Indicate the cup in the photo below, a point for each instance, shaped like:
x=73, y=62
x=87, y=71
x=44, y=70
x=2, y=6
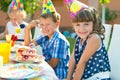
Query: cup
x=1, y=61
x=8, y=38
x=5, y=49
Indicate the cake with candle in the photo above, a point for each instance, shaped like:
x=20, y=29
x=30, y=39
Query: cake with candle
x=25, y=53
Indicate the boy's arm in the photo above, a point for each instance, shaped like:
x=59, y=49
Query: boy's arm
x=27, y=35
x=53, y=62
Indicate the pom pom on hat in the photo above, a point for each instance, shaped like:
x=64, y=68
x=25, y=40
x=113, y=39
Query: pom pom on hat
x=48, y=7
x=16, y=5
x=74, y=6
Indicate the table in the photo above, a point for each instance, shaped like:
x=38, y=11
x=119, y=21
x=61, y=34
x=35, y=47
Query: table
x=47, y=73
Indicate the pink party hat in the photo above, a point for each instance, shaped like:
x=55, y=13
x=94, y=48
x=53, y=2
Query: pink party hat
x=48, y=7
x=16, y=5
x=74, y=6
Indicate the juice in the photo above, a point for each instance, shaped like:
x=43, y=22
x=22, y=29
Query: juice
x=5, y=49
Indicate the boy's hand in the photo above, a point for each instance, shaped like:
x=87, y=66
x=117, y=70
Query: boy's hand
x=34, y=23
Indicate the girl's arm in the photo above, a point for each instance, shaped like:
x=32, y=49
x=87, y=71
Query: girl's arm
x=3, y=34
x=93, y=44
x=71, y=67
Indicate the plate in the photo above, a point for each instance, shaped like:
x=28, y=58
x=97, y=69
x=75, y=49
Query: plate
x=39, y=58
x=14, y=48
x=20, y=71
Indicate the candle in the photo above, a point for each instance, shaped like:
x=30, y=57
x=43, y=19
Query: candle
x=1, y=61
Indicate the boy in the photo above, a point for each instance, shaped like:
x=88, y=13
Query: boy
x=54, y=45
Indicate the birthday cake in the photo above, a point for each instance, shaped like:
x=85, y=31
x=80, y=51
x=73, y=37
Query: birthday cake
x=25, y=53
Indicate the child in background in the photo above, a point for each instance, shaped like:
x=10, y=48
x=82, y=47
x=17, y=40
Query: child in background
x=55, y=46
x=16, y=24
x=89, y=60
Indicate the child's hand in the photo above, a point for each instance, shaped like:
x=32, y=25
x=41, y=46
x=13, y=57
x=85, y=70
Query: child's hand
x=34, y=23
x=31, y=45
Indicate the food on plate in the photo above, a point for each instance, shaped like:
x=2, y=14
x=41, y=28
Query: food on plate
x=25, y=53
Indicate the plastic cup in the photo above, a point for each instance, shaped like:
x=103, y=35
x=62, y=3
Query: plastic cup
x=1, y=61
x=5, y=49
x=8, y=38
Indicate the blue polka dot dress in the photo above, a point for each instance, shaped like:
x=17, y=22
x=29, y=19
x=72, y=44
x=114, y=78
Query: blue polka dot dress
x=99, y=62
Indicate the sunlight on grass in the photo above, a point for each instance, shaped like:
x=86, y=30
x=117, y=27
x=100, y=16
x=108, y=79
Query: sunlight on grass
x=71, y=41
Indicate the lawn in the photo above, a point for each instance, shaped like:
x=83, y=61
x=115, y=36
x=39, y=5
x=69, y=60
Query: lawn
x=71, y=41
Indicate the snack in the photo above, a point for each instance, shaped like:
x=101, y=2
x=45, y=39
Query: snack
x=25, y=53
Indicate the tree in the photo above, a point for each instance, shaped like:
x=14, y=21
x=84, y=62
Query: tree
x=111, y=15
x=30, y=6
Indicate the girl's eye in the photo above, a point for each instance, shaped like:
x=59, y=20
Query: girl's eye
x=86, y=24
x=77, y=24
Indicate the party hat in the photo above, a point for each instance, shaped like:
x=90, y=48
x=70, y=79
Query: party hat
x=16, y=5
x=74, y=6
x=48, y=7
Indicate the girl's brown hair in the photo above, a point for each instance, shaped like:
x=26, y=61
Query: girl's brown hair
x=90, y=14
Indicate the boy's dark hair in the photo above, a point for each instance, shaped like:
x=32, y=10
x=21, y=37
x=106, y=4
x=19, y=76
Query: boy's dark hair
x=54, y=15
x=90, y=14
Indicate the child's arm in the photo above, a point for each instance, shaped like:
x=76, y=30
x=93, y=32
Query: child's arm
x=53, y=62
x=93, y=44
x=3, y=34
x=71, y=67
x=27, y=35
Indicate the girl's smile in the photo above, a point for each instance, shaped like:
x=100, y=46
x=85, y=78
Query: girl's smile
x=83, y=29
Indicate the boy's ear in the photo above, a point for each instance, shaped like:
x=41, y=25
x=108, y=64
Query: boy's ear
x=57, y=23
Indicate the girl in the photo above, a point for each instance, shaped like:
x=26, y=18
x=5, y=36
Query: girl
x=89, y=60
x=16, y=19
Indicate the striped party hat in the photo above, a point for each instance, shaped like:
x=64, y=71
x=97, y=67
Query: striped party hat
x=74, y=6
x=48, y=7
x=16, y=5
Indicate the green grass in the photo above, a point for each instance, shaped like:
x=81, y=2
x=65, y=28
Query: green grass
x=71, y=41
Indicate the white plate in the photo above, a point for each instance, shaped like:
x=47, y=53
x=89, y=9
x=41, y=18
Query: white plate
x=14, y=48
x=39, y=58
x=20, y=71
